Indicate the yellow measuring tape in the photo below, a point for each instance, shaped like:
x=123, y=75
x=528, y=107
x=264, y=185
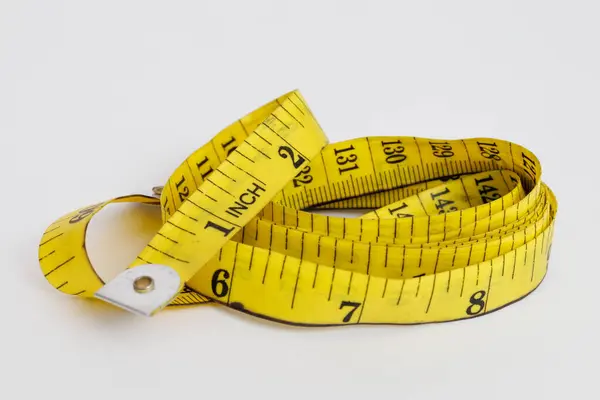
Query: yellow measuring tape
x=451, y=229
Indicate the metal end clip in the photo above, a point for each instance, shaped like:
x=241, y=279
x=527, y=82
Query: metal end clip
x=143, y=290
x=157, y=191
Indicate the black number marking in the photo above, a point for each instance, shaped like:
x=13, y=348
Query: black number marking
x=343, y=160
x=485, y=189
x=285, y=151
x=483, y=180
x=477, y=303
x=441, y=149
x=167, y=206
x=183, y=193
x=219, y=284
x=441, y=203
x=81, y=214
x=400, y=207
x=489, y=150
x=200, y=164
x=218, y=227
x=490, y=198
x=529, y=165
x=303, y=177
x=342, y=170
x=352, y=304
x=227, y=146
x=393, y=151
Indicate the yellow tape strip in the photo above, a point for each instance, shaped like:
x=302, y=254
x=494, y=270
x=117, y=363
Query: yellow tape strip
x=452, y=229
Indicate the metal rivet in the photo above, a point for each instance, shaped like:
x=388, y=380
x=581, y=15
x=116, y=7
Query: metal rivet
x=143, y=284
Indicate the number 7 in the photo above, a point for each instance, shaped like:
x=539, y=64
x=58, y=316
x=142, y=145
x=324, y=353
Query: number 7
x=351, y=312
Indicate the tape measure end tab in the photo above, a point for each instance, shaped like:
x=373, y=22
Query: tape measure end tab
x=157, y=191
x=142, y=290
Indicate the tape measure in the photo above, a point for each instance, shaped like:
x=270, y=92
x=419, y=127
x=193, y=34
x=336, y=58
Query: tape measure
x=451, y=229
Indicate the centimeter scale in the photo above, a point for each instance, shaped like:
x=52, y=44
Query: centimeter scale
x=452, y=229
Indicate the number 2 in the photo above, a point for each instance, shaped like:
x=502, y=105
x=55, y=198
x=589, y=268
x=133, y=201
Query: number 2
x=303, y=177
x=441, y=149
x=284, y=151
x=183, y=193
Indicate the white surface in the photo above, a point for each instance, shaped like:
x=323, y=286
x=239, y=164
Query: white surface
x=101, y=99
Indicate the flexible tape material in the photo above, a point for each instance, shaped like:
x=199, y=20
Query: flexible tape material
x=450, y=229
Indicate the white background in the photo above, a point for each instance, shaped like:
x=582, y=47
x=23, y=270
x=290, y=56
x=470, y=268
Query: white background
x=101, y=99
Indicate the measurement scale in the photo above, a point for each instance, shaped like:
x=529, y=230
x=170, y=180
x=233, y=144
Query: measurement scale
x=452, y=229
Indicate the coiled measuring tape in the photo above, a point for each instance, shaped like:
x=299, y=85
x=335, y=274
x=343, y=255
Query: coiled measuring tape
x=452, y=229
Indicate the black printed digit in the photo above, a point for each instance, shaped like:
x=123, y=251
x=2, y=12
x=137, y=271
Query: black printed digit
x=352, y=304
x=443, y=205
x=477, y=303
x=394, y=211
x=347, y=162
x=489, y=150
x=487, y=193
x=182, y=191
x=394, y=151
x=303, y=177
x=200, y=165
x=285, y=152
x=229, y=146
x=81, y=214
x=219, y=283
x=224, y=230
x=529, y=165
x=167, y=206
x=441, y=149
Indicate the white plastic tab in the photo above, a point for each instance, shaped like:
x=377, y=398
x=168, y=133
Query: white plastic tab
x=143, y=290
